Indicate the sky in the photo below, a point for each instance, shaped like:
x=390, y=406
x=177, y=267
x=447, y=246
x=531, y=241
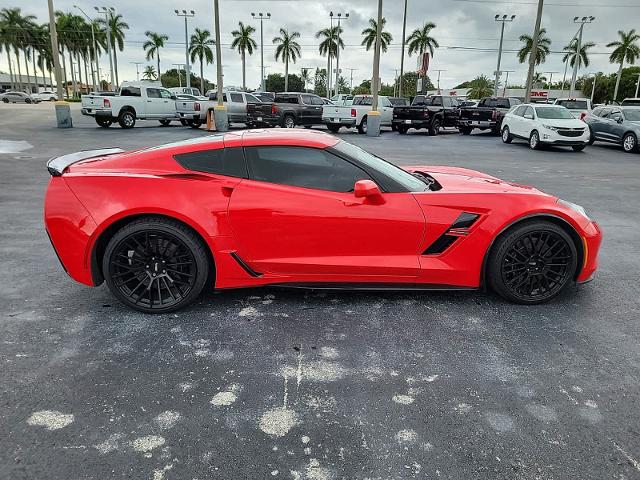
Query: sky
x=466, y=30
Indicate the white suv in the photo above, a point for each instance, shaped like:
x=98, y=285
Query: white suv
x=542, y=124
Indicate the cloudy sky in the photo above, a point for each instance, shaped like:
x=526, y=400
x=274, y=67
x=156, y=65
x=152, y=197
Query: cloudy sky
x=466, y=30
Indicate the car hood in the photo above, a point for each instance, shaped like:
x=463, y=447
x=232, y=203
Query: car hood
x=463, y=180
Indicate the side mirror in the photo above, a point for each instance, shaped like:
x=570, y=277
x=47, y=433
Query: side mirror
x=173, y=97
x=367, y=189
x=619, y=119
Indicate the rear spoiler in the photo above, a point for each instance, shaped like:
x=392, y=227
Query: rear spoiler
x=57, y=165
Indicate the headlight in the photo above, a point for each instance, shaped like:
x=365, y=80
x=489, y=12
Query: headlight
x=549, y=127
x=574, y=207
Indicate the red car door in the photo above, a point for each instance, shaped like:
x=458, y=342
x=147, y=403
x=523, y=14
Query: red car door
x=297, y=215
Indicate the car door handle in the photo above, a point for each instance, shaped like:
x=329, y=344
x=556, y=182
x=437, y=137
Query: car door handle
x=148, y=101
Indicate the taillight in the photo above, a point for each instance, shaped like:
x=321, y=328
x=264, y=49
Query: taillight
x=274, y=109
x=353, y=112
x=494, y=115
x=425, y=113
x=106, y=103
x=196, y=106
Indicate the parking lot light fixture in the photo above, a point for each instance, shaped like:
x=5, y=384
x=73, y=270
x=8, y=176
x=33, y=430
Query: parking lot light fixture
x=502, y=19
x=373, y=119
x=95, y=50
x=186, y=14
x=340, y=17
x=582, y=21
x=262, y=17
x=108, y=13
x=219, y=111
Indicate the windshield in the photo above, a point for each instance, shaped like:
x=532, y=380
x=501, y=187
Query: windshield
x=633, y=115
x=573, y=104
x=631, y=101
x=404, y=178
x=553, y=112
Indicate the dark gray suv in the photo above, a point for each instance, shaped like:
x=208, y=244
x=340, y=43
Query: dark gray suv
x=613, y=124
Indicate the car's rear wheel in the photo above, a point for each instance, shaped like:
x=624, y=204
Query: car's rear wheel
x=434, y=128
x=27, y=100
x=127, y=119
x=362, y=128
x=155, y=265
x=195, y=123
x=465, y=130
x=630, y=143
x=288, y=121
x=506, y=135
x=104, y=122
x=402, y=130
x=333, y=128
x=532, y=262
x=534, y=140
x=165, y=123
x=5, y=100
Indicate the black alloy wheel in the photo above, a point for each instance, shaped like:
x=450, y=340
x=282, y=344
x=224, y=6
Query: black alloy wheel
x=533, y=263
x=155, y=265
x=434, y=128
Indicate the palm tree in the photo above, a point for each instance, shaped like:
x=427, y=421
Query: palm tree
x=115, y=28
x=288, y=49
x=8, y=38
x=329, y=46
x=153, y=45
x=420, y=41
x=306, y=78
x=481, y=86
x=370, y=33
x=583, y=56
x=625, y=49
x=149, y=73
x=243, y=42
x=538, y=79
x=544, y=45
x=200, y=47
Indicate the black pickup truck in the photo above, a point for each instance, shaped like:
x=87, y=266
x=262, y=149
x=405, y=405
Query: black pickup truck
x=432, y=112
x=488, y=114
x=287, y=110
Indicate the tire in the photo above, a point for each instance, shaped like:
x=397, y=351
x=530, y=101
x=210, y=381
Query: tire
x=402, y=130
x=434, y=128
x=52, y=99
x=184, y=122
x=141, y=253
x=27, y=100
x=104, y=122
x=5, y=100
x=333, y=128
x=592, y=137
x=534, y=140
x=394, y=128
x=288, y=121
x=195, y=123
x=465, y=130
x=630, y=143
x=165, y=123
x=532, y=262
x=127, y=119
x=578, y=148
x=506, y=135
x=362, y=128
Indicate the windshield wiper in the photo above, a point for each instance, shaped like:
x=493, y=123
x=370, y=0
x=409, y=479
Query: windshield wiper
x=432, y=183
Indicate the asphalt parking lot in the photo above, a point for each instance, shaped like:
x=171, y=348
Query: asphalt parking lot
x=272, y=383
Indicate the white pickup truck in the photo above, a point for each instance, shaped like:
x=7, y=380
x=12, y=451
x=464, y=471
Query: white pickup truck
x=134, y=101
x=194, y=113
x=355, y=115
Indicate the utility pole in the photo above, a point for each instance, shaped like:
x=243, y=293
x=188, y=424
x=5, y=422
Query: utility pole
x=108, y=13
x=637, y=85
x=502, y=19
x=577, y=60
x=137, y=64
x=506, y=82
x=438, y=79
x=550, y=80
x=593, y=88
x=351, y=82
x=404, y=34
x=186, y=14
x=95, y=51
x=373, y=118
x=534, y=52
x=220, y=112
x=262, y=18
x=340, y=17
x=178, y=69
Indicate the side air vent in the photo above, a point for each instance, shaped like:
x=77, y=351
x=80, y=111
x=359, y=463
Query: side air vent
x=244, y=266
x=459, y=228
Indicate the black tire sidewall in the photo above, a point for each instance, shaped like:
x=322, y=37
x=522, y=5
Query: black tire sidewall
x=192, y=241
x=123, y=115
x=537, y=146
x=508, y=139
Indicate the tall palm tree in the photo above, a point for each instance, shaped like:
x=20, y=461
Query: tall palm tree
x=287, y=50
x=481, y=86
x=306, y=78
x=329, y=45
x=370, y=33
x=115, y=28
x=572, y=53
x=243, y=42
x=538, y=79
x=544, y=44
x=201, y=43
x=419, y=42
x=26, y=36
x=625, y=49
x=149, y=73
x=8, y=38
x=153, y=45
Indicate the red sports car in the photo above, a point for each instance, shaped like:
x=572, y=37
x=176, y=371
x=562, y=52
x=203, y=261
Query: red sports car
x=303, y=208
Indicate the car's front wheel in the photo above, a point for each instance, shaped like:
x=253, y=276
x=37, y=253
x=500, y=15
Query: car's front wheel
x=506, y=135
x=532, y=262
x=578, y=148
x=434, y=128
x=534, y=140
x=630, y=143
x=364, y=125
x=155, y=265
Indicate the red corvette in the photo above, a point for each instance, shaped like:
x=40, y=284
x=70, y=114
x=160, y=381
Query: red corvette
x=303, y=208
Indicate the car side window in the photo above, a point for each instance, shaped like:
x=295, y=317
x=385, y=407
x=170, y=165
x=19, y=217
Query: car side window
x=520, y=110
x=596, y=112
x=153, y=93
x=165, y=93
x=503, y=103
x=446, y=101
x=616, y=115
x=302, y=167
x=529, y=111
x=437, y=102
x=316, y=101
x=307, y=99
x=221, y=161
x=236, y=97
x=605, y=113
x=251, y=99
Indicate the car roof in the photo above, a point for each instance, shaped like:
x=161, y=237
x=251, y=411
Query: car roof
x=291, y=137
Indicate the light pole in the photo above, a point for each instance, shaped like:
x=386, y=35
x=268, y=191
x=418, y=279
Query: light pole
x=108, y=13
x=637, y=85
x=351, y=82
x=404, y=34
x=95, y=50
x=502, y=19
x=534, y=52
x=178, y=69
x=373, y=118
x=577, y=59
x=137, y=64
x=340, y=17
x=186, y=14
x=506, y=82
x=220, y=112
x=262, y=18
x=439, y=71
x=550, y=80
x=593, y=87
x=566, y=64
